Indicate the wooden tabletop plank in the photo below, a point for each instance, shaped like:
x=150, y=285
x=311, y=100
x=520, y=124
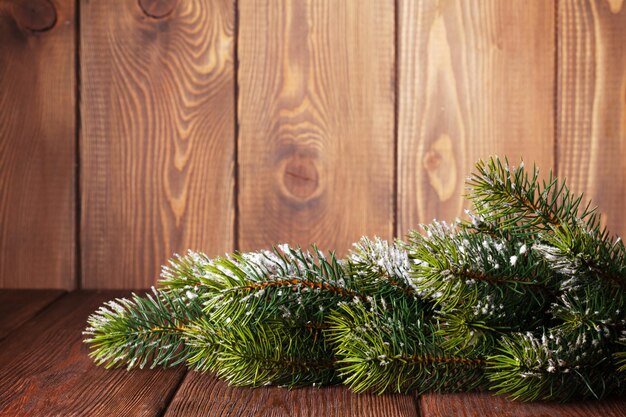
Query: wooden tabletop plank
x=17, y=306
x=45, y=370
x=205, y=395
x=486, y=405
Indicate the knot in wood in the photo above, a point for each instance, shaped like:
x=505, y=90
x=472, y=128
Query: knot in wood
x=440, y=166
x=157, y=9
x=300, y=176
x=432, y=160
x=35, y=15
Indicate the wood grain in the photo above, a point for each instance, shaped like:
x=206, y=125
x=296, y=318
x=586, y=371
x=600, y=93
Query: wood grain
x=475, y=79
x=46, y=371
x=18, y=306
x=204, y=395
x=37, y=144
x=591, y=119
x=157, y=139
x=487, y=405
x=316, y=117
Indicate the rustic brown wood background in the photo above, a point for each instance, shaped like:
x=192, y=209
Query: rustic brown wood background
x=134, y=129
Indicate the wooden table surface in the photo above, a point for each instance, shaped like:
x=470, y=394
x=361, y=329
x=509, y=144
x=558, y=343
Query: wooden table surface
x=45, y=371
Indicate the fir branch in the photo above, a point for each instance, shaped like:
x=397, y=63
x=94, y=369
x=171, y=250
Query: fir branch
x=584, y=255
x=568, y=234
x=184, y=273
x=521, y=202
x=287, y=283
x=296, y=283
x=530, y=291
x=551, y=367
x=255, y=354
x=141, y=330
x=595, y=311
x=463, y=268
x=393, y=348
x=381, y=268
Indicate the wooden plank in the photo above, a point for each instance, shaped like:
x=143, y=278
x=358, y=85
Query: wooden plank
x=157, y=140
x=37, y=144
x=46, y=371
x=591, y=119
x=18, y=306
x=204, y=395
x=316, y=117
x=475, y=79
x=487, y=405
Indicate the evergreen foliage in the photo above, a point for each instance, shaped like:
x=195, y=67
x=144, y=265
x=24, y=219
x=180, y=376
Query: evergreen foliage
x=526, y=298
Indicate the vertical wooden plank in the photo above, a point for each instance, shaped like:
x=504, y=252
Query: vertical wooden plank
x=37, y=144
x=157, y=141
x=204, y=395
x=316, y=117
x=591, y=119
x=475, y=79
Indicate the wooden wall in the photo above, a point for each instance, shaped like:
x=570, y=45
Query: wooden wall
x=133, y=129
